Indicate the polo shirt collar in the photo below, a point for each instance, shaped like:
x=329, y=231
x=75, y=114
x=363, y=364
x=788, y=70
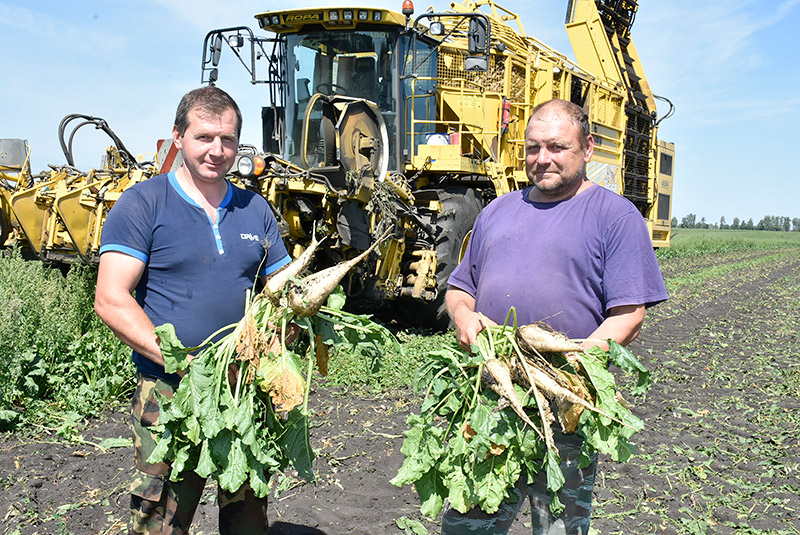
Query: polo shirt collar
x=173, y=180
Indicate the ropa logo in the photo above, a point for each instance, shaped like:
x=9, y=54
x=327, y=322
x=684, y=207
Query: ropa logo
x=302, y=17
x=251, y=237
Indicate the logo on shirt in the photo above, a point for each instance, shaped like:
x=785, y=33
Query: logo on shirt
x=251, y=237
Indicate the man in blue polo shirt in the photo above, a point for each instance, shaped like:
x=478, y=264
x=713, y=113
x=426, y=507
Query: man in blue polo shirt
x=188, y=245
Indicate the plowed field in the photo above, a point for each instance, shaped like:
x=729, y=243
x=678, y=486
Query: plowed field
x=720, y=452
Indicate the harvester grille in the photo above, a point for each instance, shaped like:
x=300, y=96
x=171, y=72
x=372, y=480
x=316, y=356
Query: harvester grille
x=452, y=74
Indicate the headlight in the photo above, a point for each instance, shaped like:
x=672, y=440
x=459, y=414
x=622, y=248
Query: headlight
x=245, y=166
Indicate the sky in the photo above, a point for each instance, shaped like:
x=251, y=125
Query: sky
x=730, y=67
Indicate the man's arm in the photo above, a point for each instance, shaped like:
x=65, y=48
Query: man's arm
x=461, y=308
x=117, y=277
x=623, y=325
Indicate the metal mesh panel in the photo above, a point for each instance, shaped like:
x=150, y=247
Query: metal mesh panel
x=517, y=93
x=452, y=73
x=608, y=109
x=663, y=206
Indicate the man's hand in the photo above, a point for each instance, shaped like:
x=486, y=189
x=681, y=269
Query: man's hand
x=468, y=327
x=468, y=323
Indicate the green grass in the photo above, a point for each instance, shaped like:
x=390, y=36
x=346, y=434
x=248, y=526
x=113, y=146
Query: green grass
x=696, y=242
x=389, y=370
x=700, y=277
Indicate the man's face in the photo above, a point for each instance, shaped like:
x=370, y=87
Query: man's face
x=554, y=159
x=209, y=144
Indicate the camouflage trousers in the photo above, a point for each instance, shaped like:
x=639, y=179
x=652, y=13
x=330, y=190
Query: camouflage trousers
x=576, y=496
x=163, y=507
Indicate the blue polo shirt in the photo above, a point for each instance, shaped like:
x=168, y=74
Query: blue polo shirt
x=196, y=271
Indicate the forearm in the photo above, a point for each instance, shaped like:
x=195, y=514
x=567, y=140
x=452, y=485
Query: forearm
x=117, y=276
x=623, y=325
x=458, y=303
x=130, y=324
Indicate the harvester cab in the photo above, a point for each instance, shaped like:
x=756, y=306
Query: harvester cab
x=354, y=132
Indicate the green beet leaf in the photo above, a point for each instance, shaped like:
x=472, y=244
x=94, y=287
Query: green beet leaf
x=221, y=424
x=295, y=444
x=259, y=481
x=625, y=360
x=494, y=477
x=457, y=482
x=235, y=469
x=182, y=461
x=422, y=447
x=205, y=463
x=432, y=492
x=175, y=354
x=479, y=465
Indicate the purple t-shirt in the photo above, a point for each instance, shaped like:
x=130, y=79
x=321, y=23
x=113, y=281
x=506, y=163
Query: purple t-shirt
x=565, y=263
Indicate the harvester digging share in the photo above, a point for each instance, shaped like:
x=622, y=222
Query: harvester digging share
x=241, y=413
x=486, y=416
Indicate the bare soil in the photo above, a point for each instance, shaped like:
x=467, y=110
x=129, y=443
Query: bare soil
x=720, y=452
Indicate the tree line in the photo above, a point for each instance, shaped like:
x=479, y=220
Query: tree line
x=769, y=222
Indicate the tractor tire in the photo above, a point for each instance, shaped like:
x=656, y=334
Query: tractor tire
x=460, y=207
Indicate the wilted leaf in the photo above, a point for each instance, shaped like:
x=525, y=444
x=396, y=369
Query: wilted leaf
x=282, y=379
x=411, y=526
x=110, y=443
x=321, y=354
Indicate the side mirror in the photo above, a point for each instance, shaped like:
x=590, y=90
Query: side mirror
x=477, y=36
x=216, y=49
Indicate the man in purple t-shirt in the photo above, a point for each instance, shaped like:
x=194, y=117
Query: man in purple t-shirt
x=567, y=252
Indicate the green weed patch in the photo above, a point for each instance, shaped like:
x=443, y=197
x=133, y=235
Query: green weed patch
x=56, y=356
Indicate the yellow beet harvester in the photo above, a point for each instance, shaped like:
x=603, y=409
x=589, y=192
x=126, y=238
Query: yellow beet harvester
x=375, y=119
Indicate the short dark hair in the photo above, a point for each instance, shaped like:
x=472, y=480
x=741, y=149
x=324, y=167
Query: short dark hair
x=209, y=99
x=574, y=113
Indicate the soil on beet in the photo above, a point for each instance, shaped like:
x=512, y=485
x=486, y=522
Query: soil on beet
x=720, y=452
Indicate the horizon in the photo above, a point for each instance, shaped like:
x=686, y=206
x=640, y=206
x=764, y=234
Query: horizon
x=724, y=66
